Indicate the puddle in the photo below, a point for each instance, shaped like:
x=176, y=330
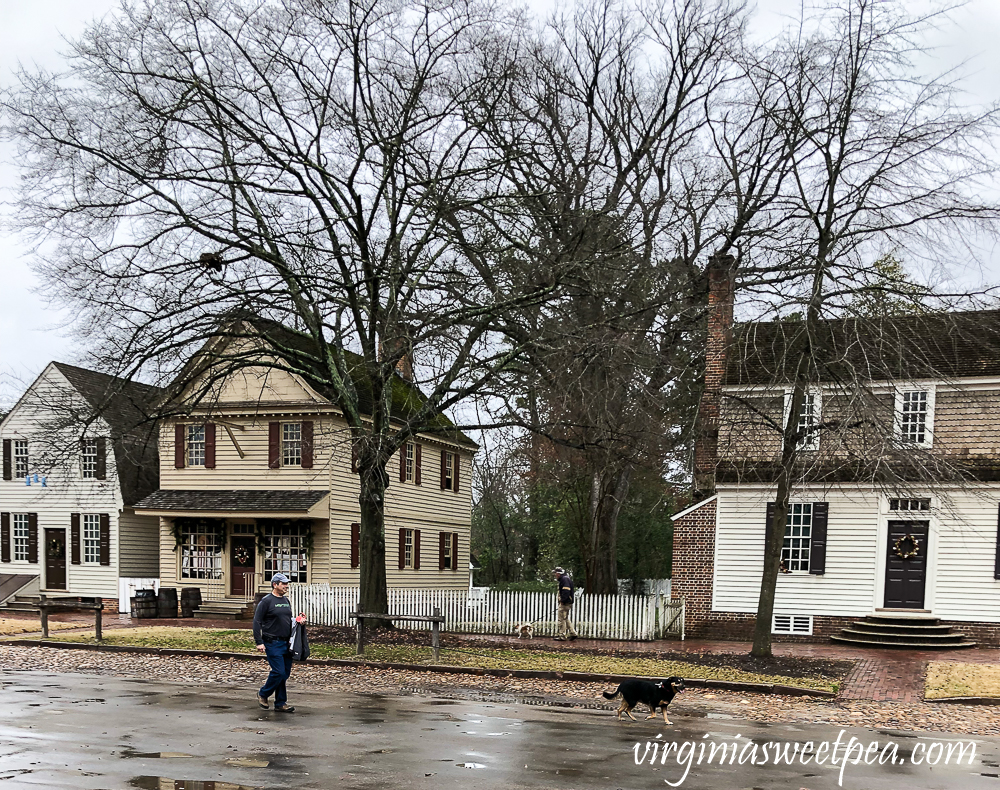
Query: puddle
x=159, y=782
x=469, y=765
x=248, y=762
x=129, y=753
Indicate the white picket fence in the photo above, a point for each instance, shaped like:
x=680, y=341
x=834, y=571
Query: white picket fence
x=619, y=617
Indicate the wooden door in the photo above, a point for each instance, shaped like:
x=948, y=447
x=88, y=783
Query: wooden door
x=242, y=564
x=55, y=559
x=905, y=575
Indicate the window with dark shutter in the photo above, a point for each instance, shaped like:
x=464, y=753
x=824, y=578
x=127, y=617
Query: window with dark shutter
x=180, y=453
x=442, y=542
x=416, y=549
x=355, y=545
x=8, y=469
x=817, y=550
x=307, y=444
x=402, y=463
x=105, y=539
x=4, y=537
x=274, y=445
x=74, y=538
x=402, y=549
x=101, y=472
x=210, y=445
x=768, y=526
x=454, y=551
x=416, y=467
x=455, y=463
x=33, y=537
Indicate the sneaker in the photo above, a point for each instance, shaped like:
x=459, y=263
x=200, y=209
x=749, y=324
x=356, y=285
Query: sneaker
x=559, y=638
x=572, y=637
x=262, y=702
x=285, y=708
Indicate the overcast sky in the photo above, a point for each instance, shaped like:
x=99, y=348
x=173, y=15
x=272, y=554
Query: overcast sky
x=32, y=32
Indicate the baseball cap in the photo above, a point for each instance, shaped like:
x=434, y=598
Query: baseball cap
x=279, y=578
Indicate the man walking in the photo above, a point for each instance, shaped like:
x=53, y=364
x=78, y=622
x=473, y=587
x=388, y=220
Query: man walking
x=272, y=628
x=565, y=583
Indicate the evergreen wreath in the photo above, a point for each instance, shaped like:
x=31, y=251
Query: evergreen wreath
x=187, y=524
x=905, y=555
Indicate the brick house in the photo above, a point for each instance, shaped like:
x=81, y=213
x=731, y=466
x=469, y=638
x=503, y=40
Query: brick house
x=895, y=516
x=259, y=478
x=78, y=453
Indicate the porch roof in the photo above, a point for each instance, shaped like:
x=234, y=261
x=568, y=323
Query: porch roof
x=267, y=503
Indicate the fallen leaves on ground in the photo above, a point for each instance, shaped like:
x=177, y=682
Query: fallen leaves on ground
x=955, y=679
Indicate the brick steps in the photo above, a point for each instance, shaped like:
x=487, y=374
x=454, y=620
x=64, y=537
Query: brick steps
x=902, y=631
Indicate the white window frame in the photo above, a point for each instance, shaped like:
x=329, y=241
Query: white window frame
x=448, y=559
x=285, y=552
x=90, y=538
x=410, y=460
x=408, y=549
x=291, y=447
x=797, y=624
x=88, y=459
x=197, y=560
x=900, y=398
x=811, y=443
x=20, y=532
x=22, y=464
x=450, y=459
x=805, y=540
x=194, y=448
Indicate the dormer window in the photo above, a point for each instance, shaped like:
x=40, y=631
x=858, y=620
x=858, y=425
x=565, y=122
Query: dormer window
x=914, y=416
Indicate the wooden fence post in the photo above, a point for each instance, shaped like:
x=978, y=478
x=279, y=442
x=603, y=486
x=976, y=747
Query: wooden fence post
x=43, y=608
x=436, y=635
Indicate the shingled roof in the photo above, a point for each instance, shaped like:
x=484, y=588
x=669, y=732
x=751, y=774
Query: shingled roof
x=126, y=407
x=919, y=346
x=244, y=501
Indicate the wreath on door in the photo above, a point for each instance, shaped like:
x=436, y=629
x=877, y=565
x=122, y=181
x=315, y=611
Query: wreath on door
x=900, y=545
x=242, y=556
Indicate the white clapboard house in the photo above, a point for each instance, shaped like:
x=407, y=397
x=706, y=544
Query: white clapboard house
x=893, y=531
x=78, y=453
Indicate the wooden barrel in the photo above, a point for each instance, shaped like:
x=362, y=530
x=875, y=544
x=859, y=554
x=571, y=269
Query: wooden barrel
x=167, y=602
x=144, y=608
x=190, y=601
x=145, y=593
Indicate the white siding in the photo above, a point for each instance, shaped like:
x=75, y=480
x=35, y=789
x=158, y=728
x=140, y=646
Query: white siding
x=139, y=538
x=960, y=560
x=53, y=450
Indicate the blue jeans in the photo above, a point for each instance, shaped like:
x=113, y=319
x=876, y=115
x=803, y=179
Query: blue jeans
x=280, y=659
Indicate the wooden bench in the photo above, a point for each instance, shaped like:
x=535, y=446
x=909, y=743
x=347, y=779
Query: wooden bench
x=435, y=620
x=45, y=606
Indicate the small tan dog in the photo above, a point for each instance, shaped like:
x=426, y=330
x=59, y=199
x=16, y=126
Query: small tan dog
x=524, y=630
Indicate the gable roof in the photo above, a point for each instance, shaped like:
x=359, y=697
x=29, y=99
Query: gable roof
x=297, y=350
x=918, y=346
x=126, y=407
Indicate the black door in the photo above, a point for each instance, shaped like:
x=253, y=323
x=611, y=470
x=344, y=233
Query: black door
x=55, y=559
x=242, y=564
x=906, y=565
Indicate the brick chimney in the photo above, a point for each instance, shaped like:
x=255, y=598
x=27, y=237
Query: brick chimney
x=719, y=336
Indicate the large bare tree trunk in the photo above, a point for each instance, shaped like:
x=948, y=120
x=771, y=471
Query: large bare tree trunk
x=374, y=594
x=608, y=492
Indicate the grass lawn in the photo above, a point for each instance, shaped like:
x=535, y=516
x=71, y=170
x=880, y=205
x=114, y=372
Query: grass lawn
x=487, y=658
x=10, y=626
x=952, y=679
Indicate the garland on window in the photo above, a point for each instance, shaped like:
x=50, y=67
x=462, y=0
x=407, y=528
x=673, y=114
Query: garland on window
x=267, y=526
x=183, y=525
x=905, y=555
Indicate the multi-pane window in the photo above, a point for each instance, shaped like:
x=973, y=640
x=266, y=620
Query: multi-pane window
x=20, y=458
x=447, y=560
x=291, y=444
x=913, y=417
x=20, y=536
x=196, y=445
x=410, y=458
x=807, y=423
x=910, y=504
x=285, y=552
x=407, y=548
x=91, y=537
x=201, y=554
x=449, y=471
x=88, y=459
x=798, y=536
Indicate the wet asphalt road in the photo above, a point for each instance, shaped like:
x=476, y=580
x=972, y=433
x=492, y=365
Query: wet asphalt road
x=79, y=731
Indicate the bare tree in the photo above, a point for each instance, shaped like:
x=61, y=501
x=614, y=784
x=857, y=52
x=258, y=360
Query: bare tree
x=221, y=170
x=876, y=159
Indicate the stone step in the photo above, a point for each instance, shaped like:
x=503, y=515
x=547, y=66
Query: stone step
x=890, y=636
x=903, y=619
x=900, y=628
x=913, y=645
